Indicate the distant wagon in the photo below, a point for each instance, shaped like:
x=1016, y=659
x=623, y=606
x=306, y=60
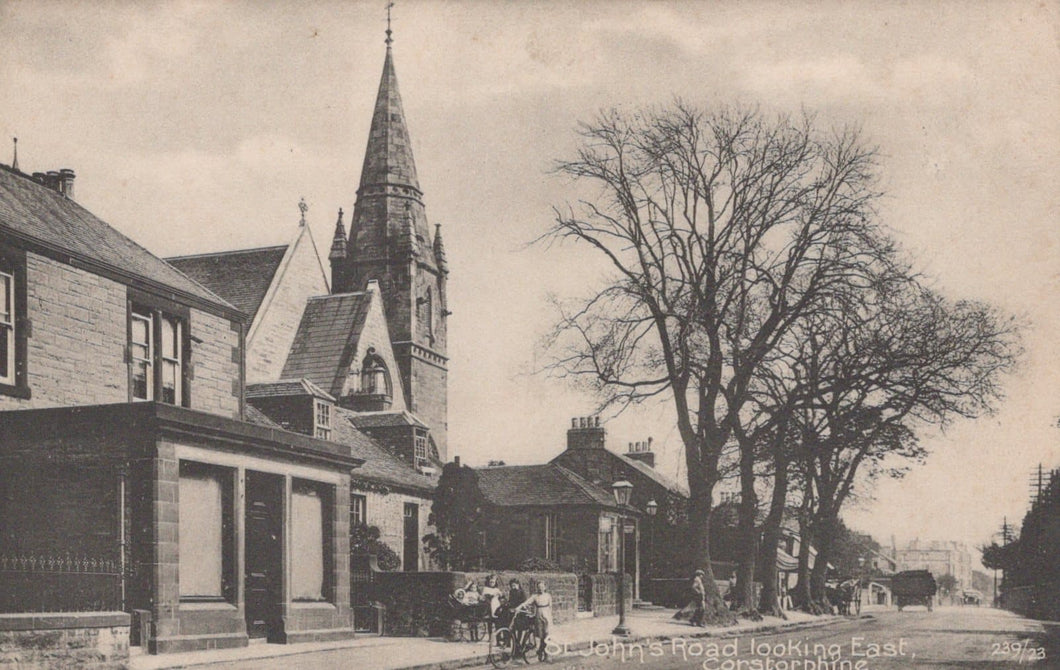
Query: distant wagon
x=972, y=597
x=914, y=587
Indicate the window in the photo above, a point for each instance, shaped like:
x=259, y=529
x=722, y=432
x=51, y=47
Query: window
x=14, y=325
x=310, y=574
x=552, y=536
x=158, y=346
x=205, y=532
x=606, y=541
x=7, y=328
x=420, y=446
x=358, y=509
x=322, y=420
x=375, y=380
x=141, y=351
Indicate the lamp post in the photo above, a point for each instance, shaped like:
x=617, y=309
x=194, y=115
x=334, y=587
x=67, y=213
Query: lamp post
x=621, y=490
x=652, y=508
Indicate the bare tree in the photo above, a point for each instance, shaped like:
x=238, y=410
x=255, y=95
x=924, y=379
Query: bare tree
x=722, y=230
x=900, y=360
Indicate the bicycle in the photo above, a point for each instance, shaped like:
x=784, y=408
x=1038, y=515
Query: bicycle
x=514, y=641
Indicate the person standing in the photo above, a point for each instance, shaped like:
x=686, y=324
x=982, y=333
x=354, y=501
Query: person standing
x=542, y=604
x=699, y=597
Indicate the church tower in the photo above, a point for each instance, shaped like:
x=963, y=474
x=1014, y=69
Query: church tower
x=390, y=241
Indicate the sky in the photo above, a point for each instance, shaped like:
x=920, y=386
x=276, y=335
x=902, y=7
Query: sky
x=198, y=126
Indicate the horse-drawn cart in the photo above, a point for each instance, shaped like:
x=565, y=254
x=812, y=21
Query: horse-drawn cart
x=914, y=587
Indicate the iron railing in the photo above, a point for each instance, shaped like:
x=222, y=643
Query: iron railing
x=59, y=583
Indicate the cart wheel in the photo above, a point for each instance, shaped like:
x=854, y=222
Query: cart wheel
x=500, y=654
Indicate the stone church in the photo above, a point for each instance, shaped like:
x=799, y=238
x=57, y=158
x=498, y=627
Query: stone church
x=369, y=332
x=188, y=447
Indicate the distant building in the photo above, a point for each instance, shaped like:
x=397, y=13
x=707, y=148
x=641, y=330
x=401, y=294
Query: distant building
x=939, y=558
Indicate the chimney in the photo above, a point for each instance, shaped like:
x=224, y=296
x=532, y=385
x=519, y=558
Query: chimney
x=641, y=451
x=51, y=179
x=586, y=433
x=66, y=182
x=456, y=461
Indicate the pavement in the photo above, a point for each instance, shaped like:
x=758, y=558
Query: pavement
x=405, y=653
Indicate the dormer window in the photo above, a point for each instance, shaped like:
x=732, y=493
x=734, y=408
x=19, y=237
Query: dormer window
x=322, y=419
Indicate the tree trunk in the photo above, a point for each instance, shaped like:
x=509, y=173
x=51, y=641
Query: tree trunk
x=744, y=598
x=717, y=613
x=803, y=595
x=823, y=536
x=769, y=603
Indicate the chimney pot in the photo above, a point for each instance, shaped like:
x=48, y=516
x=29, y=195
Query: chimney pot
x=581, y=422
x=456, y=460
x=66, y=182
x=574, y=422
x=650, y=440
x=597, y=421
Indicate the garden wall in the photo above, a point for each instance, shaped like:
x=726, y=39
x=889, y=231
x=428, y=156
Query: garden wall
x=418, y=603
x=1041, y=601
x=96, y=640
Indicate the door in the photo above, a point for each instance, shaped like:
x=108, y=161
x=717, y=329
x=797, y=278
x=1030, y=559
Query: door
x=411, y=561
x=264, y=556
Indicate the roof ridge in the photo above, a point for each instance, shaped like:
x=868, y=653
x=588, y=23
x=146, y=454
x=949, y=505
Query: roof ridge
x=337, y=295
x=207, y=254
x=580, y=482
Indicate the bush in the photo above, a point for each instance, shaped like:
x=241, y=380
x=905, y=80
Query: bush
x=364, y=539
x=535, y=564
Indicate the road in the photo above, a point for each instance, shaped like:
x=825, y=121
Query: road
x=953, y=637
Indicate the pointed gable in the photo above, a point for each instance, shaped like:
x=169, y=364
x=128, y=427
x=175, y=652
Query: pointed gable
x=335, y=335
x=271, y=285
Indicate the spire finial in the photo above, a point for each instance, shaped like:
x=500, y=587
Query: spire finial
x=14, y=162
x=303, y=208
x=389, y=39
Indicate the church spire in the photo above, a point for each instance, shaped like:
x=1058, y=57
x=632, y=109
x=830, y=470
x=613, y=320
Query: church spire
x=388, y=157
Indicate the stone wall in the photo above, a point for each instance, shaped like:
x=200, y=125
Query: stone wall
x=562, y=585
x=78, y=337
x=96, y=640
x=1041, y=601
x=386, y=512
x=76, y=348
x=216, y=387
x=605, y=593
x=418, y=604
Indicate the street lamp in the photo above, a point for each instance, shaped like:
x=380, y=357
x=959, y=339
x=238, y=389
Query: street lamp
x=652, y=507
x=622, y=491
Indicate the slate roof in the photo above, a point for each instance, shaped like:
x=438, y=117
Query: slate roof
x=330, y=328
x=655, y=475
x=40, y=214
x=549, y=484
x=240, y=277
x=386, y=419
x=287, y=387
x=256, y=416
x=379, y=464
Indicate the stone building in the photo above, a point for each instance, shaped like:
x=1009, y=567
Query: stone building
x=372, y=339
x=131, y=480
x=141, y=473
x=939, y=558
